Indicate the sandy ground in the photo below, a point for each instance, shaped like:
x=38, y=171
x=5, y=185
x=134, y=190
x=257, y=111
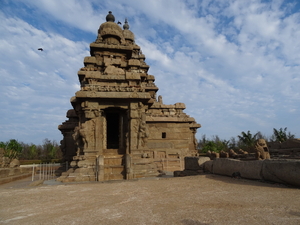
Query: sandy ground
x=196, y=200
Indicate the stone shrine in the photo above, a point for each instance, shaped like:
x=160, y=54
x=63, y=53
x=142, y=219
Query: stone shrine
x=118, y=128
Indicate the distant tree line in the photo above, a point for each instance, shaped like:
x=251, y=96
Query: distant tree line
x=50, y=149
x=46, y=151
x=245, y=141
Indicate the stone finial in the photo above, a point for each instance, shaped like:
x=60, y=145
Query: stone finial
x=126, y=26
x=160, y=99
x=110, y=17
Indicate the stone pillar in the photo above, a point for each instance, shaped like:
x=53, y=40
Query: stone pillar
x=129, y=174
x=99, y=135
x=100, y=168
x=134, y=126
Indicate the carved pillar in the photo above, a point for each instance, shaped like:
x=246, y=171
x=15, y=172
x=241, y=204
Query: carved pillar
x=121, y=132
x=99, y=133
x=104, y=124
x=134, y=126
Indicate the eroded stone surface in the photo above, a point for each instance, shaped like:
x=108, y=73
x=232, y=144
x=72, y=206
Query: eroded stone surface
x=118, y=128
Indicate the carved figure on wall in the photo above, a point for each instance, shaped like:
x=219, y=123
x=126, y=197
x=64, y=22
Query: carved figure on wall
x=96, y=112
x=78, y=140
x=261, y=150
x=195, y=142
x=143, y=134
x=82, y=133
x=87, y=132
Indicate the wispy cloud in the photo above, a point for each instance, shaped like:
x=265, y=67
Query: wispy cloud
x=235, y=64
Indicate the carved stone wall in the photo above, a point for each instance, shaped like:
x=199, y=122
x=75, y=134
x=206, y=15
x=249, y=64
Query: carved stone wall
x=117, y=103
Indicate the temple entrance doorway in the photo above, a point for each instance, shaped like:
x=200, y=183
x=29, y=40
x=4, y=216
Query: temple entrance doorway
x=113, y=130
x=115, y=149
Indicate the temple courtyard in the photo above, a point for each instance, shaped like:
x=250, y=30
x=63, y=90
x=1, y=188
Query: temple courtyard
x=194, y=200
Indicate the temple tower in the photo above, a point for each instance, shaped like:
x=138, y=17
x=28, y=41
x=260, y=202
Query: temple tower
x=123, y=130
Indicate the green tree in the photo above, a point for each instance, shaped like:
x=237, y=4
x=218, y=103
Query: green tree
x=202, y=142
x=50, y=150
x=247, y=140
x=215, y=145
x=12, y=148
x=281, y=135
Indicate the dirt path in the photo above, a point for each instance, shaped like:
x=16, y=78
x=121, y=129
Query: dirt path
x=205, y=199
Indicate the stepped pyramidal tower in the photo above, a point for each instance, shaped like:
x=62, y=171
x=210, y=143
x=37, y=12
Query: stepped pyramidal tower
x=118, y=128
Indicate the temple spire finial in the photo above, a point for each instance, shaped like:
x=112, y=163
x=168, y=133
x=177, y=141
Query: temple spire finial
x=126, y=26
x=110, y=17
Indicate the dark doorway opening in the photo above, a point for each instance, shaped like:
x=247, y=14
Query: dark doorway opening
x=112, y=132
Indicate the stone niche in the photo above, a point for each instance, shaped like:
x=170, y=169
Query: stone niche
x=118, y=128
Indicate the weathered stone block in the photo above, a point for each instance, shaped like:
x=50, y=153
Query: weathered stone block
x=160, y=145
x=4, y=172
x=247, y=169
x=132, y=76
x=90, y=59
x=134, y=62
x=14, y=171
x=208, y=166
x=282, y=171
x=14, y=163
x=143, y=161
x=195, y=163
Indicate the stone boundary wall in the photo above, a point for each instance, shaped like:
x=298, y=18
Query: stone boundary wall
x=285, y=171
x=288, y=148
x=11, y=174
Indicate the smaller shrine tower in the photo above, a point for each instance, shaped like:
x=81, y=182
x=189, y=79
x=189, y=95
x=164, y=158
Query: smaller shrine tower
x=118, y=128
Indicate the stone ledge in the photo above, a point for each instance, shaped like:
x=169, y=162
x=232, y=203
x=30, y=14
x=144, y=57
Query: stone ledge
x=282, y=171
x=285, y=171
x=14, y=178
x=247, y=169
x=15, y=171
x=195, y=163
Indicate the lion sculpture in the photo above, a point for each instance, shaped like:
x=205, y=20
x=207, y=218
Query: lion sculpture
x=261, y=150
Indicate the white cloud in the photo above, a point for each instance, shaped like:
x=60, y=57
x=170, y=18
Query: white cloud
x=36, y=85
x=235, y=64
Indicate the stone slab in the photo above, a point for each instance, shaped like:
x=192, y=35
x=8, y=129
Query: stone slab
x=282, y=171
x=195, y=163
x=208, y=166
x=247, y=169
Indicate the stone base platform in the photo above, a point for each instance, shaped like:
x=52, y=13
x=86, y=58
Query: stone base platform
x=284, y=171
x=12, y=174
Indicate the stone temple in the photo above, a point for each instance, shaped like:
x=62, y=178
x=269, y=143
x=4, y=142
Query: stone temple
x=118, y=127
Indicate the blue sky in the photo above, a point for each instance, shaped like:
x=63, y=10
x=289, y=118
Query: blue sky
x=235, y=64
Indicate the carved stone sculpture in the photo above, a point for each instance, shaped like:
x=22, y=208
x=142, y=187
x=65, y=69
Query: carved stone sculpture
x=143, y=134
x=224, y=154
x=213, y=155
x=78, y=140
x=261, y=150
x=241, y=151
x=232, y=153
